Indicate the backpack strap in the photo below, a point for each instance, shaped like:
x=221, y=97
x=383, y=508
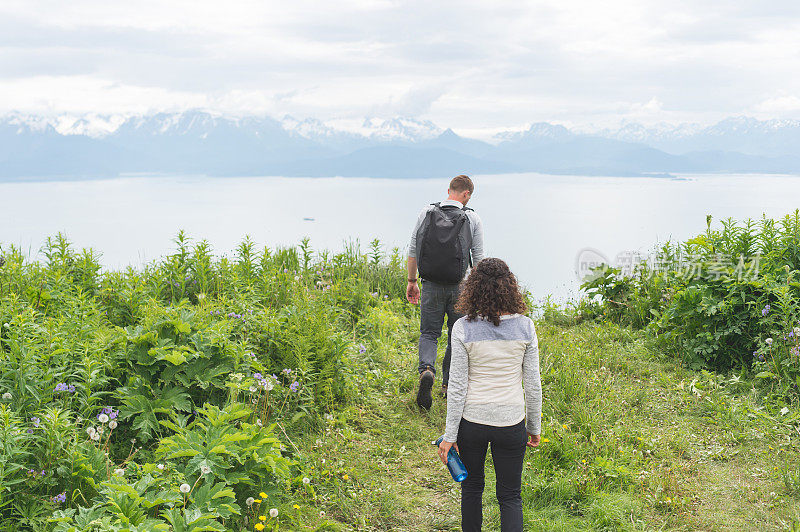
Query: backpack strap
x=464, y=208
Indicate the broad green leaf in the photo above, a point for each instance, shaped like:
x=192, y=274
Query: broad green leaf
x=175, y=357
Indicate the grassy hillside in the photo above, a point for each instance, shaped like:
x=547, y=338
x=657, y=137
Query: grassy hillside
x=203, y=392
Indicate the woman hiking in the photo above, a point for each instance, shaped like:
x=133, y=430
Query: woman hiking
x=494, y=349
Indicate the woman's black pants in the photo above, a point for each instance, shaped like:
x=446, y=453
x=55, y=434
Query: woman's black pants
x=508, y=446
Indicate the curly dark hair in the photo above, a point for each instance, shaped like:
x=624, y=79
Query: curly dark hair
x=489, y=291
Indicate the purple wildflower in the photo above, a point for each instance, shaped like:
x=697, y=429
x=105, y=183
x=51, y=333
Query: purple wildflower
x=258, y=376
x=36, y=421
x=29, y=431
x=294, y=386
x=286, y=371
x=765, y=310
x=362, y=348
x=110, y=412
x=61, y=497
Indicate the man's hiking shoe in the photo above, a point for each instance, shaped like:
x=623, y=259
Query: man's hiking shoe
x=444, y=391
x=424, y=399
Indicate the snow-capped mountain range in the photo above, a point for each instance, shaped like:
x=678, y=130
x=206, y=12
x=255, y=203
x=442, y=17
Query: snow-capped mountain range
x=208, y=143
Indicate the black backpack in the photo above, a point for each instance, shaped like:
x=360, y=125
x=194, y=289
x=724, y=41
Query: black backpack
x=443, y=244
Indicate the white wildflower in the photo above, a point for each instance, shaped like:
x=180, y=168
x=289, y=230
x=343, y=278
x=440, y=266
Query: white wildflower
x=769, y=341
x=306, y=480
x=7, y=396
x=258, y=423
x=252, y=389
x=95, y=436
x=268, y=384
x=784, y=410
x=112, y=424
x=322, y=513
x=185, y=488
x=204, y=469
x=102, y=418
x=119, y=472
x=249, y=501
x=6, y=325
x=273, y=512
x=90, y=431
x=160, y=466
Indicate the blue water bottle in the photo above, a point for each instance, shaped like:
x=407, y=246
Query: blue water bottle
x=454, y=463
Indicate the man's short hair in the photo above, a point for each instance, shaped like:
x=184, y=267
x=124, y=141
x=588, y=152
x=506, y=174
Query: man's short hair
x=460, y=183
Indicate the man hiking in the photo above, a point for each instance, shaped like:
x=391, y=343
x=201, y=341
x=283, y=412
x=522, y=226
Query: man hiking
x=447, y=239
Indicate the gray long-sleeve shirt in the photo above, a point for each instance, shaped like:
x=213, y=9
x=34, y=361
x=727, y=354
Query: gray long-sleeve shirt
x=487, y=368
x=475, y=224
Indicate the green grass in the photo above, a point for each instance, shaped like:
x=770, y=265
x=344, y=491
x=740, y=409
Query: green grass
x=632, y=445
x=632, y=440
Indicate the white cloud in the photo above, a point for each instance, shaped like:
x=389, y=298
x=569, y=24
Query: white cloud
x=779, y=105
x=470, y=65
x=416, y=101
x=87, y=94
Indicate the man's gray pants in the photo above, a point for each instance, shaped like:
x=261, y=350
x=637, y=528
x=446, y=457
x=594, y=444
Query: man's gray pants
x=437, y=301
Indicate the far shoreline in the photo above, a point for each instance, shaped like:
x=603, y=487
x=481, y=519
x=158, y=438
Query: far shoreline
x=66, y=178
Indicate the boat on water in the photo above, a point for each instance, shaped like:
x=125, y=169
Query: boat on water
x=307, y=219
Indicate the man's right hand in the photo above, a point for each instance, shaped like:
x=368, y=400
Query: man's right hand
x=412, y=293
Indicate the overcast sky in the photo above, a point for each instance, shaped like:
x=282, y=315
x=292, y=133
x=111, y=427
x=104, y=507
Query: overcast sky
x=473, y=66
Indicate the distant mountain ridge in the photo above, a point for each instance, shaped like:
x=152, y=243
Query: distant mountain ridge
x=201, y=142
x=771, y=138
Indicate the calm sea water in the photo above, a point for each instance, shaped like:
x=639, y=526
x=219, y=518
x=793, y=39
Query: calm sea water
x=537, y=223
